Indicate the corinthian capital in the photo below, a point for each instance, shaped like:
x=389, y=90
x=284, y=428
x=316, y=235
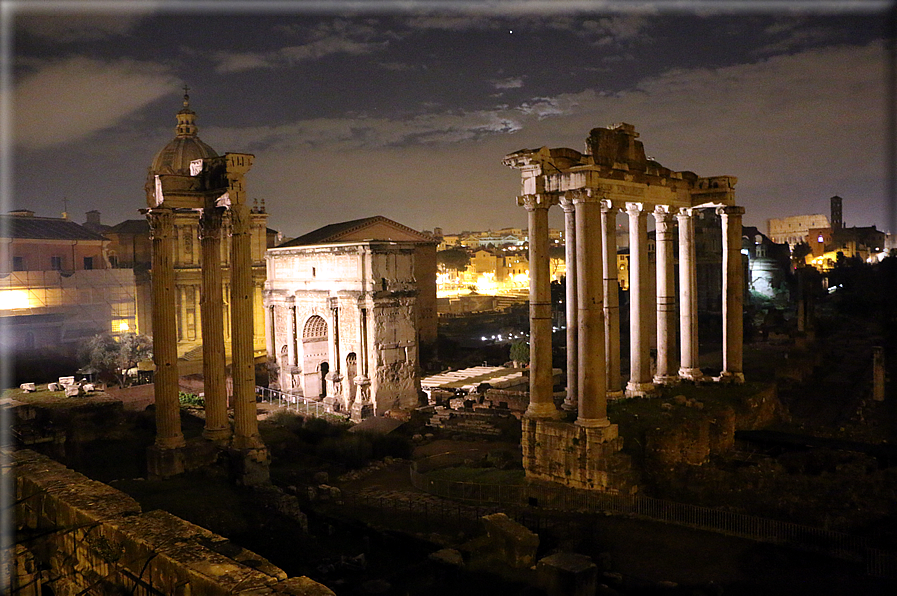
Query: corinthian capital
x=585, y=195
x=161, y=222
x=210, y=222
x=536, y=201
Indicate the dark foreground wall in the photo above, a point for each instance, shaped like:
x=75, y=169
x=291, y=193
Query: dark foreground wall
x=91, y=538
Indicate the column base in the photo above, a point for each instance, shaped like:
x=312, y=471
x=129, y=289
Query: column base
x=360, y=411
x=543, y=411
x=217, y=435
x=570, y=404
x=666, y=380
x=691, y=374
x=619, y=394
x=592, y=422
x=333, y=404
x=640, y=389
x=734, y=378
x=246, y=443
x=164, y=462
x=250, y=466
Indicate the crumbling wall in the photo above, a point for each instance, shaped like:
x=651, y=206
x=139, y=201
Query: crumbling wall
x=576, y=456
x=94, y=539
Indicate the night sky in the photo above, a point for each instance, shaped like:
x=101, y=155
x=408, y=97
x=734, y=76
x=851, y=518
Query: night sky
x=406, y=109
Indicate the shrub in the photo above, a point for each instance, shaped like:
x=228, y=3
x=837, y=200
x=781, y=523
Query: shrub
x=190, y=399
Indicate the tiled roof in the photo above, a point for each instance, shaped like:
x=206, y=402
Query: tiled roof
x=131, y=226
x=47, y=228
x=335, y=232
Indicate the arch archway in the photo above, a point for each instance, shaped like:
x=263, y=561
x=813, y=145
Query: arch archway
x=351, y=373
x=314, y=356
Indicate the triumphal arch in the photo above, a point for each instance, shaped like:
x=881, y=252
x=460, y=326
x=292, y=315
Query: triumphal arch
x=613, y=175
x=188, y=175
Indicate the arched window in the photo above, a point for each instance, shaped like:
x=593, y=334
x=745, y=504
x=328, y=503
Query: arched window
x=315, y=329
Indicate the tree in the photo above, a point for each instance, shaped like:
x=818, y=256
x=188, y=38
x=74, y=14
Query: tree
x=453, y=258
x=520, y=354
x=799, y=254
x=113, y=357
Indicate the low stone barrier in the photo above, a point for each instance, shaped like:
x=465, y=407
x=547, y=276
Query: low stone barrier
x=92, y=538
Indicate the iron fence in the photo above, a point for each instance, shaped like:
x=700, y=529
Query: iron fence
x=879, y=562
x=295, y=403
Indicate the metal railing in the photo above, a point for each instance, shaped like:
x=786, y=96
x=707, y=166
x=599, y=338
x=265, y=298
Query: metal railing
x=296, y=403
x=879, y=562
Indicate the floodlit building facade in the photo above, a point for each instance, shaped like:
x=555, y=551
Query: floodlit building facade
x=57, y=288
x=347, y=308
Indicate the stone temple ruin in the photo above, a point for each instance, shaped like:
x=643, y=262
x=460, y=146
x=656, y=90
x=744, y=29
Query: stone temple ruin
x=187, y=174
x=615, y=175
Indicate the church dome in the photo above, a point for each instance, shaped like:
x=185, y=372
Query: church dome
x=175, y=157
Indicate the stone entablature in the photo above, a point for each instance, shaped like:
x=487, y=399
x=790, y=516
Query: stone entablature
x=365, y=296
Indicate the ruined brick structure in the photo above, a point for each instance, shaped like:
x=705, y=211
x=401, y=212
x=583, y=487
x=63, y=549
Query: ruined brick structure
x=85, y=537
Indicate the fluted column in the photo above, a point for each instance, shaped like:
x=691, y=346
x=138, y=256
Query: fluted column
x=541, y=403
x=611, y=299
x=590, y=303
x=217, y=426
x=243, y=367
x=292, y=344
x=269, y=332
x=640, y=304
x=689, y=367
x=666, y=297
x=733, y=294
x=571, y=402
x=165, y=342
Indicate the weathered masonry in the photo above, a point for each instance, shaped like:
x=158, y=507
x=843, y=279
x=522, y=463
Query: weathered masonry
x=188, y=175
x=614, y=175
x=347, y=308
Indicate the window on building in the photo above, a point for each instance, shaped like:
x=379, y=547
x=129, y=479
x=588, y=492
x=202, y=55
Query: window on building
x=18, y=264
x=88, y=263
x=56, y=263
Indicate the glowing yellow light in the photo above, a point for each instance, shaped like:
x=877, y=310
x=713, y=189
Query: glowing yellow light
x=11, y=299
x=123, y=326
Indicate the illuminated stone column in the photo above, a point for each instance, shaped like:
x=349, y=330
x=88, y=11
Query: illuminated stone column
x=246, y=435
x=733, y=294
x=165, y=343
x=269, y=333
x=640, y=304
x=243, y=367
x=571, y=402
x=611, y=299
x=541, y=403
x=592, y=365
x=688, y=298
x=292, y=346
x=666, y=297
x=217, y=426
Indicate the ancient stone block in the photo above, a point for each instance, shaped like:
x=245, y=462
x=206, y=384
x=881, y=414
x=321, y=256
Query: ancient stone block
x=567, y=574
x=513, y=543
